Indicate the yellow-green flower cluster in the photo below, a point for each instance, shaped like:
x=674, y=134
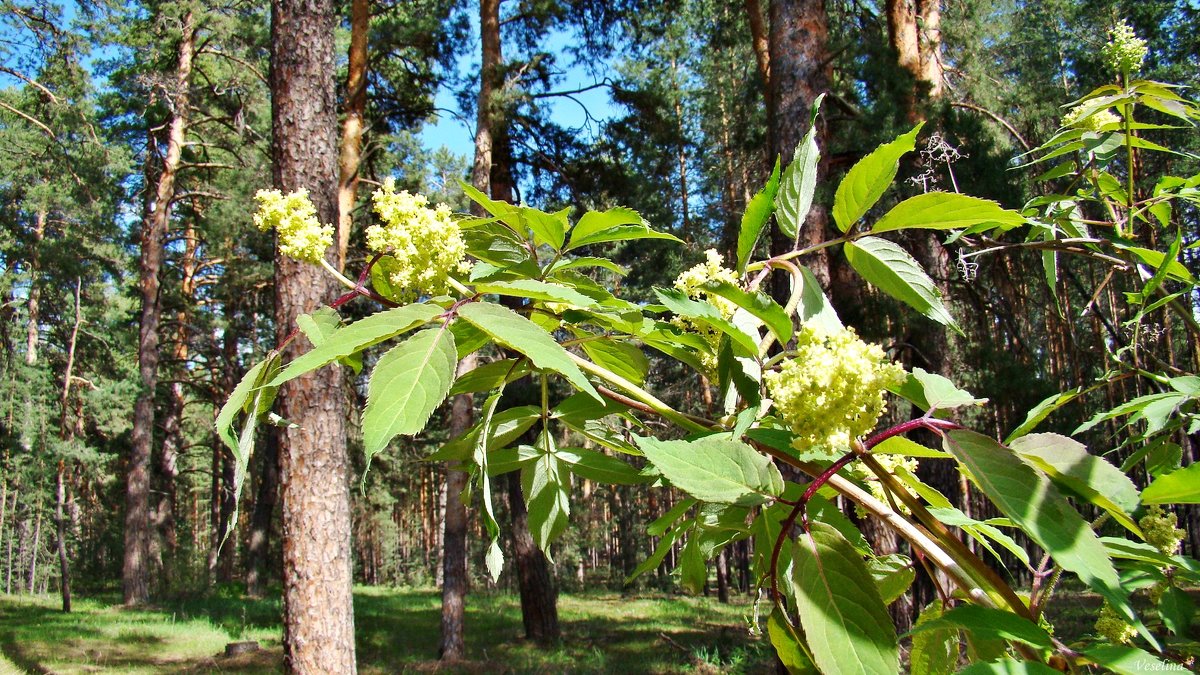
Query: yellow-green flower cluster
x=832, y=391
x=294, y=219
x=1161, y=529
x=691, y=282
x=1124, y=51
x=427, y=243
x=1110, y=625
x=1093, y=122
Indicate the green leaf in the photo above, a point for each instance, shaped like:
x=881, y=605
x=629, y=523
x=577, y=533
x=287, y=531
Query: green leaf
x=500, y=246
x=516, y=332
x=984, y=533
x=930, y=391
x=867, y=180
x=934, y=652
x=758, y=304
x=585, y=261
x=490, y=375
x=893, y=574
x=1032, y=502
x=693, y=573
x=666, y=520
x=758, y=212
x=1177, y=610
x=620, y=357
x=843, y=617
x=1068, y=463
x=601, y=468
x=1124, y=660
x=409, y=382
x=900, y=445
x=319, y=325
x=616, y=224
x=544, y=483
x=1178, y=487
x=946, y=211
x=358, y=336
x=990, y=624
x=679, y=303
x=1043, y=410
x=537, y=290
x=665, y=545
x=815, y=309
x=794, y=198
x=892, y=270
x=1007, y=666
x=483, y=442
x=714, y=469
x=789, y=646
x=244, y=398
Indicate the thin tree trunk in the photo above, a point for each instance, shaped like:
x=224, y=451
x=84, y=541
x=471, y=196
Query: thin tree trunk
x=33, y=552
x=258, y=545
x=350, y=154
x=914, y=31
x=313, y=470
x=33, y=328
x=135, y=571
x=759, y=40
x=67, y=430
x=723, y=577
x=60, y=522
x=539, y=608
x=8, y=574
x=454, y=539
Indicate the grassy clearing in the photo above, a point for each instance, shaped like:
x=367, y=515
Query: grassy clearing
x=397, y=631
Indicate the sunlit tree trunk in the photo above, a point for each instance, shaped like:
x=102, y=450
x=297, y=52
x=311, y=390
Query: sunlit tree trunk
x=350, y=154
x=136, y=572
x=315, y=497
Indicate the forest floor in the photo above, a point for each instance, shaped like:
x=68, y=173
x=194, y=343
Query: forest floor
x=397, y=631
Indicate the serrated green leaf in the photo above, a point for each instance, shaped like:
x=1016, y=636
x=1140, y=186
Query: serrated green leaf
x=900, y=445
x=892, y=270
x=934, y=652
x=1177, y=610
x=1035, y=505
x=537, y=290
x=601, y=468
x=574, y=263
x=714, y=469
x=1177, y=487
x=1043, y=410
x=893, y=574
x=319, y=325
x=946, y=211
x=1125, y=660
x=516, y=332
x=815, y=309
x=679, y=303
x=615, y=224
x=656, y=558
x=1068, y=463
x=409, y=382
x=358, y=336
x=500, y=246
x=984, y=533
x=758, y=212
x=844, y=620
x=869, y=178
x=505, y=427
x=1007, y=666
x=788, y=644
x=544, y=483
x=481, y=446
x=930, y=391
x=693, y=573
x=758, y=304
x=490, y=375
x=794, y=198
x=990, y=624
x=620, y=357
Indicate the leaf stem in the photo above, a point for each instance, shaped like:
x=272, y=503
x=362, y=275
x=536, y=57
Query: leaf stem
x=639, y=394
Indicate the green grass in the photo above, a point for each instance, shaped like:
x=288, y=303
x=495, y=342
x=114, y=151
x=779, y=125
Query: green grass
x=397, y=631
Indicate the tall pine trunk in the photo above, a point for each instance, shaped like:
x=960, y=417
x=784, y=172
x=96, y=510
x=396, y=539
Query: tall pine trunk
x=350, y=152
x=318, y=612
x=454, y=537
x=135, y=575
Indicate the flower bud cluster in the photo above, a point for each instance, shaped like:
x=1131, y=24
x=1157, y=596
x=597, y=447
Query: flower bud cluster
x=294, y=219
x=1093, y=122
x=1124, y=51
x=1161, y=529
x=832, y=391
x=426, y=243
x=1111, y=626
x=691, y=282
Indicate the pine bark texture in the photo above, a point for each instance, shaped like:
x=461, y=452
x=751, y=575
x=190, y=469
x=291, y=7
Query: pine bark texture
x=136, y=571
x=799, y=72
x=539, y=597
x=914, y=30
x=314, y=489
